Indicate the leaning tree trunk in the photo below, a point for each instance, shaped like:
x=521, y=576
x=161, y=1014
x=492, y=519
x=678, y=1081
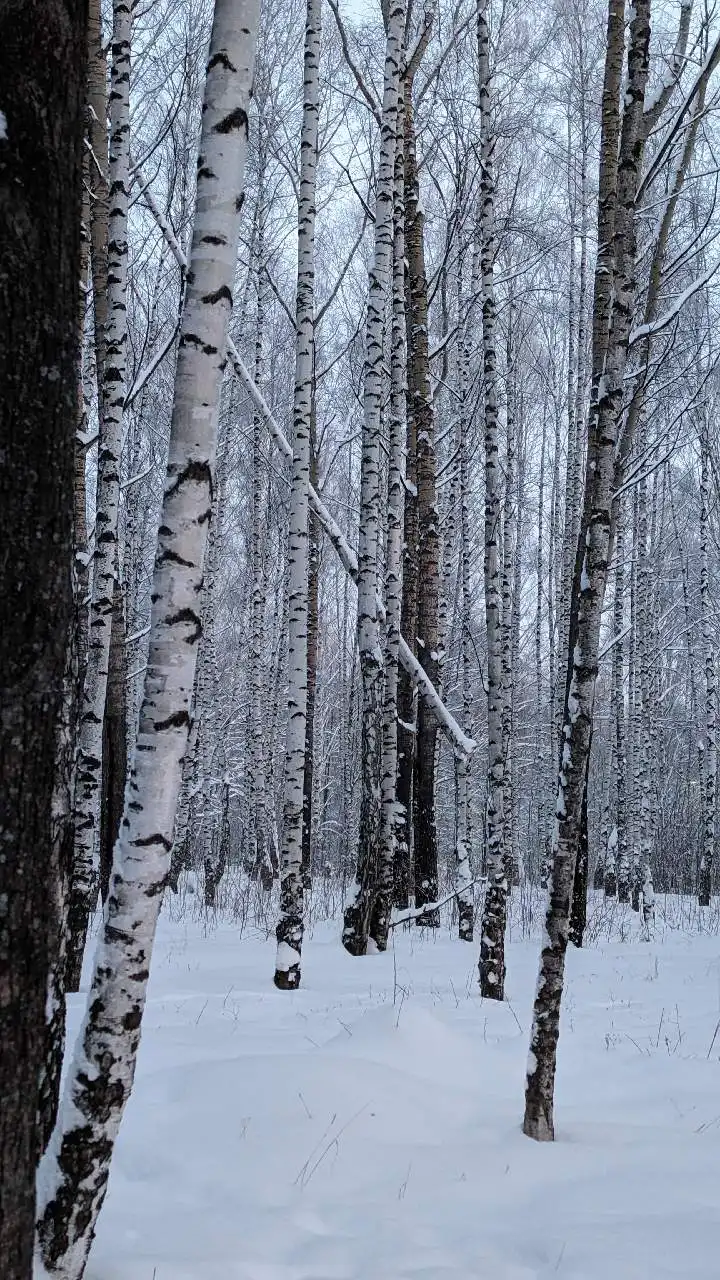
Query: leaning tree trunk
x=612, y=315
x=290, y=922
x=492, y=946
x=360, y=903
x=74, y=1178
x=111, y=398
x=42, y=73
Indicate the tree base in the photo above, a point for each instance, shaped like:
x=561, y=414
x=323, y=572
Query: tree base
x=287, y=979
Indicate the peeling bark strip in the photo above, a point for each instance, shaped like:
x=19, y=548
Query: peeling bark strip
x=359, y=907
x=612, y=315
x=290, y=923
x=492, y=945
x=75, y=1170
x=111, y=400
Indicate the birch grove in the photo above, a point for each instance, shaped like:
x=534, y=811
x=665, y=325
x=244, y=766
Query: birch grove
x=384, y=596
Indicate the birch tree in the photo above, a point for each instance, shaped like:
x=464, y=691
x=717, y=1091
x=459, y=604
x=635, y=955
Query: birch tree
x=290, y=923
x=710, y=753
x=390, y=817
x=73, y=1179
x=111, y=398
x=492, y=946
x=621, y=154
x=358, y=910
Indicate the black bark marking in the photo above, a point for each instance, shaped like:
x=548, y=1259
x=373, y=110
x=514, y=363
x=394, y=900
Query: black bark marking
x=219, y=295
x=220, y=59
x=195, y=470
x=187, y=615
x=172, y=557
x=237, y=119
x=146, y=842
x=175, y=721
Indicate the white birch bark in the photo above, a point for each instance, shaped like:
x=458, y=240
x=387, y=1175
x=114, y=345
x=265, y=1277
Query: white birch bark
x=617, y=877
x=73, y=1178
x=710, y=753
x=463, y=874
x=360, y=901
x=290, y=922
x=492, y=945
x=389, y=815
x=263, y=851
x=509, y=595
x=112, y=384
x=645, y=709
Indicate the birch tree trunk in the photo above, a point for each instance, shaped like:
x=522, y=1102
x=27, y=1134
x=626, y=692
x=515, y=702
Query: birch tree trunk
x=710, y=753
x=312, y=664
x=380, y=920
x=290, y=922
x=360, y=903
x=420, y=406
x=74, y=1175
x=492, y=946
x=465, y=897
x=618, y=870
x=613, y=306
x=43, y=54
x=263, y=859
x=509, y=564
x=115, y=753
x=644, y=873
x=112, y=381
x=407, y=696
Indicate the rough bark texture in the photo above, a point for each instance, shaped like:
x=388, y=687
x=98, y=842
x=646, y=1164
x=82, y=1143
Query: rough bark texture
x=42, y=73
x=76, y=1165
x=492, y=945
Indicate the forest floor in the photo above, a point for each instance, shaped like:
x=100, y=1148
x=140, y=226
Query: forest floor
x=367, y=1127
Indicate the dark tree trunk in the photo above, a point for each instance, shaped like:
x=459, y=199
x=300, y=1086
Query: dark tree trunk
x=42, y=73
x=312, y=658
x=428, y=543
x=114, y=761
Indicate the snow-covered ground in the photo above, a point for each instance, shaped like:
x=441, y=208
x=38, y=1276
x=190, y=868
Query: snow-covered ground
x=367, y=1127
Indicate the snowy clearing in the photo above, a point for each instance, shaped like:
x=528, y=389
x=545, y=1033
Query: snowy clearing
x=367, y=1127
